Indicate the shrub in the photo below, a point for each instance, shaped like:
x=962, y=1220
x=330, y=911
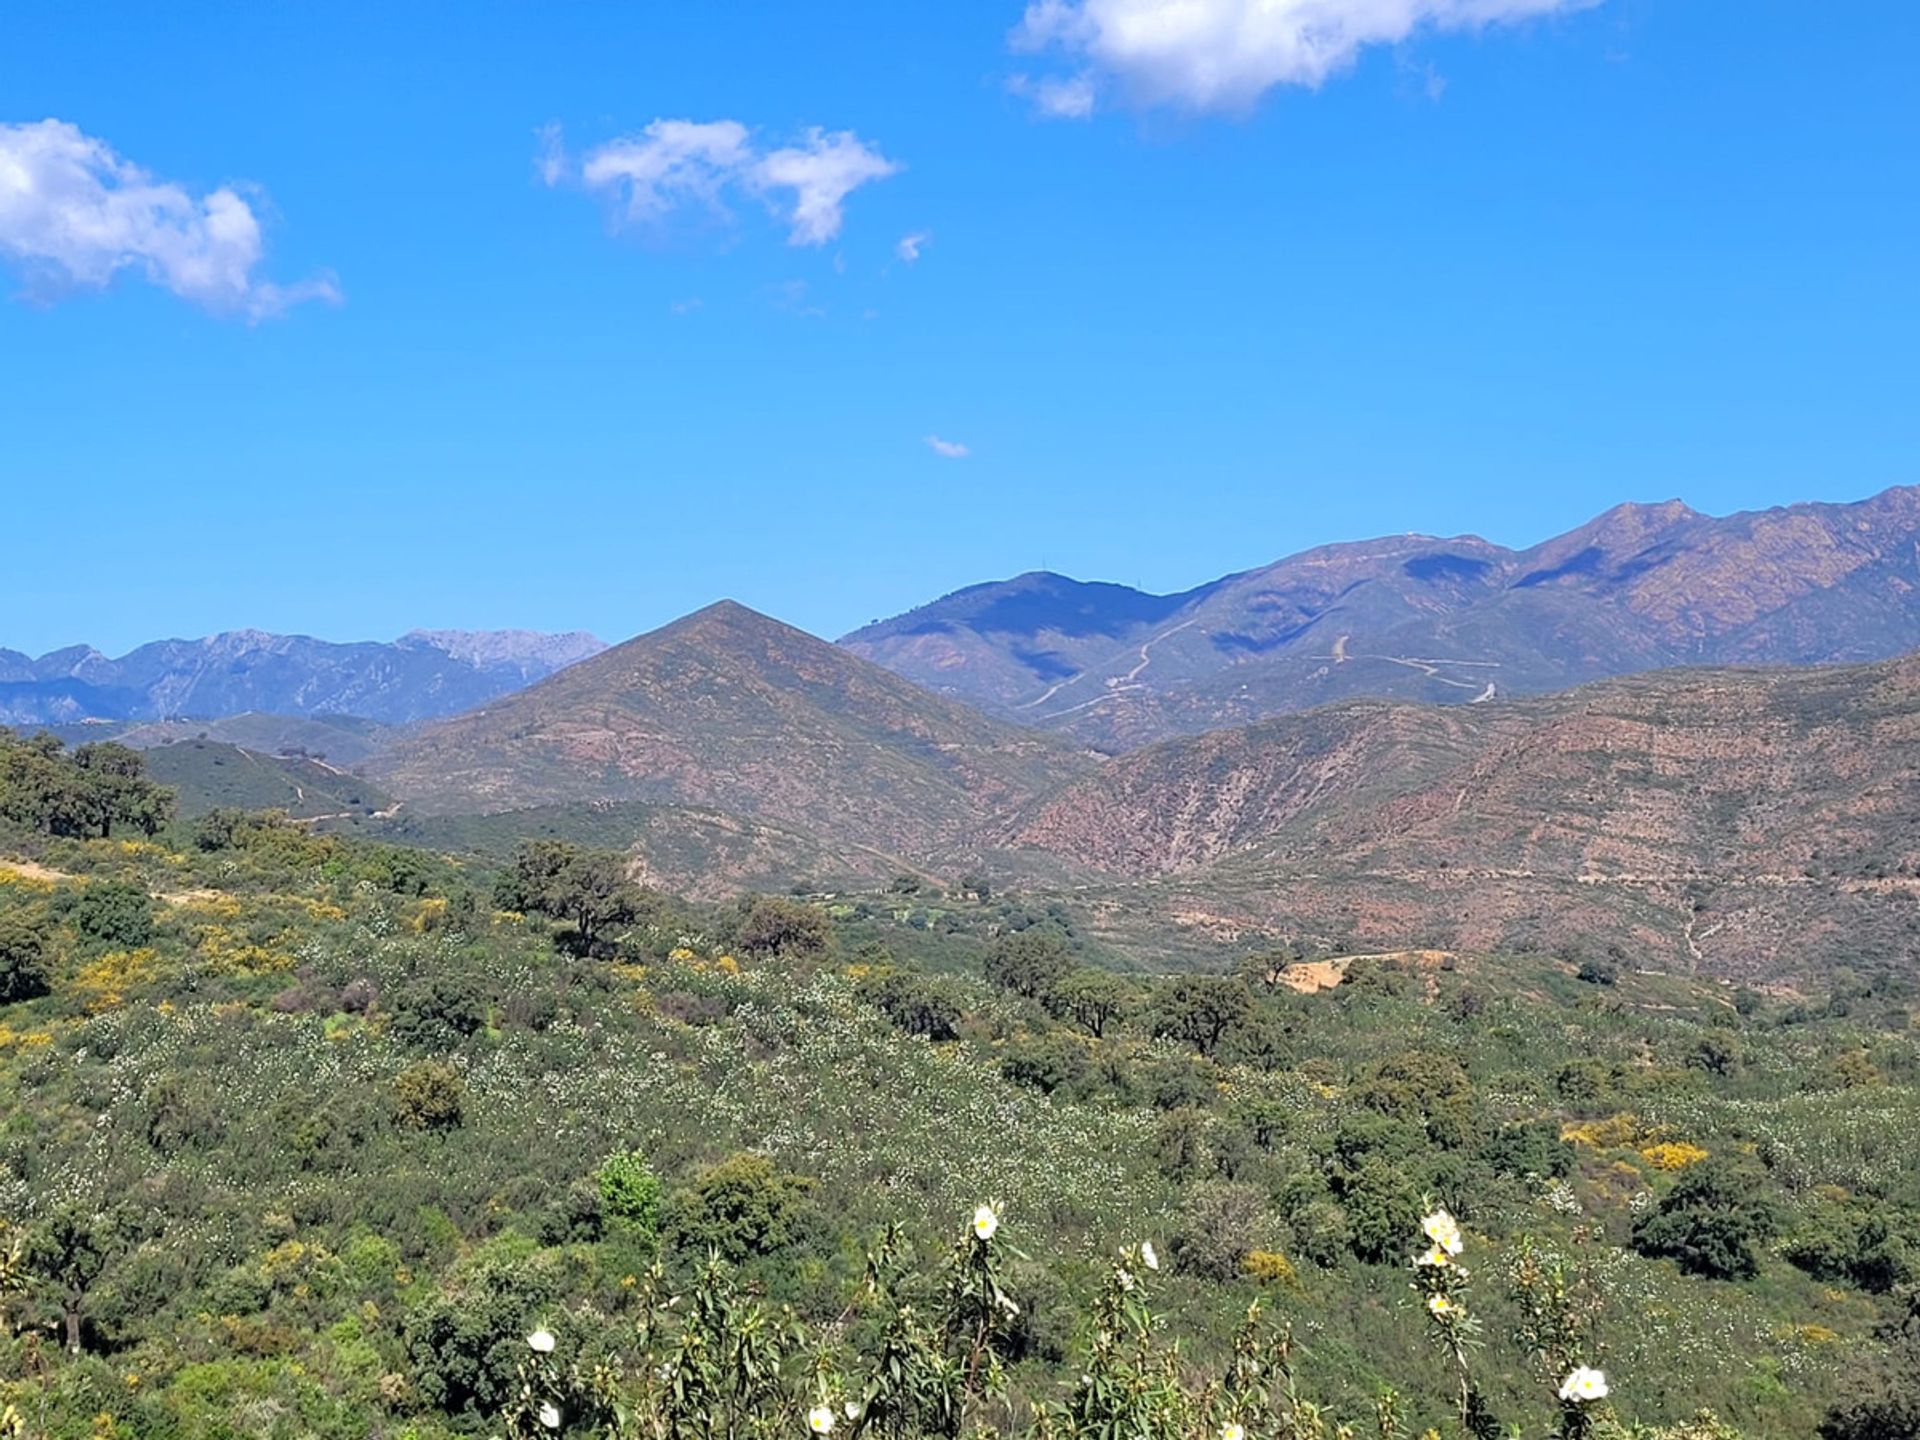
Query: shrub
x=112, y=915
x=428, y=1095
x=1219, y=1223
x=1710, y=1222
x=630, y=1191
x=743, y=1206
x=24, y=971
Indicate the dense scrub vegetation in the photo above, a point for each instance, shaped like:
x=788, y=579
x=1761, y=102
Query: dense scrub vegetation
x=308, y=1136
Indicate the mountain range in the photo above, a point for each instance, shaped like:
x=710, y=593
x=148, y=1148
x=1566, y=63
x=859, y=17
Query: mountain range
x=729, y=711
x=419, y=676
x=1416, y=617
x=1677, y=752
x=1762, y=823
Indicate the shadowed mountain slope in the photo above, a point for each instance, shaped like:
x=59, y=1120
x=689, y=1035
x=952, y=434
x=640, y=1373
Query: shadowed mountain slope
x=1447, y=621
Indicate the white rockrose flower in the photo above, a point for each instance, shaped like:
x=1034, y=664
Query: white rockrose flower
x=550, y=1415
x=1443, y=1230
x=1149, y=1257
x=985, y=1222
x=820, y=1419
x=1584, y=1383
x=541, y=1342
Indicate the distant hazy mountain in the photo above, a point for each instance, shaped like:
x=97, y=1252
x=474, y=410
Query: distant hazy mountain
x=1421, y=618
x=417, y=677
x=726, y=710
x=1759, y=823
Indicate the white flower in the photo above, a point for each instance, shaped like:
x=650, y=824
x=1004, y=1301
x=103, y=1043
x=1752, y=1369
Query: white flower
x=1443, y=1230
x=1149, y=1257
x=820, y=1419
x=1126, y=1279
x=1433, y=1257
x=985, y=1222
x=1584, y=1383
x=1440, y=1305
x=1233, y=1430
x=550, y=1415
x=541, y=1341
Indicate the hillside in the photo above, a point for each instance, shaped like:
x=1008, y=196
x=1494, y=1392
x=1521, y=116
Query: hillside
x=417, y=677
x=209, y=774
x=728, y=710
x=1422, y=618
x=320, y=1139
x=1754, y=822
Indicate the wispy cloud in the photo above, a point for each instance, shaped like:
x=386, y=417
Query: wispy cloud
x=1223, y=55
x=947, y=449
x=74, y=214
x=686, y=306
x=910, y=245
x=675, y=164
x=1058, y=97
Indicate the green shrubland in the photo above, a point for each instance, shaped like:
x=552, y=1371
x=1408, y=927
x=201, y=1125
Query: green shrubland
x=302, y=1135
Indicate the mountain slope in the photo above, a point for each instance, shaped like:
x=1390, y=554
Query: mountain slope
x=419, y=676
x=1749, y=819
x=1451, y=620
x=208, y=774
x=728, y=710
x=993, y=644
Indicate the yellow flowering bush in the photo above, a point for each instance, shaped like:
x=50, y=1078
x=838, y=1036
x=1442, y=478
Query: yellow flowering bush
x=1673, y=1155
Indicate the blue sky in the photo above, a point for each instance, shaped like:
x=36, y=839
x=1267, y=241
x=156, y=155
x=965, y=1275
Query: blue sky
x=1425, y=274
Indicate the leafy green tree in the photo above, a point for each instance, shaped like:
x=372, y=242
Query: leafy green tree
x=1423, y=1086
x=39, y=787
x=1049, y=1062
x=588, y=889
x=1711, y=1222
x=745, y=1205
x=117, y=790
x=25, y=970
x=780, y=929
x=1201, y=1009
x=466, y=1341
x=1092, y=999
x=71, y=1249
x=1382, y=1209
x=918, y=1004
x=1029, y=962
x=218, y=829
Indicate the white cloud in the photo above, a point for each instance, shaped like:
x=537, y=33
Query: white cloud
x=821, y=172
x=675, y=163
x=1226, y=54
x=909, y=247
x=947, y=449
x=74, y=214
